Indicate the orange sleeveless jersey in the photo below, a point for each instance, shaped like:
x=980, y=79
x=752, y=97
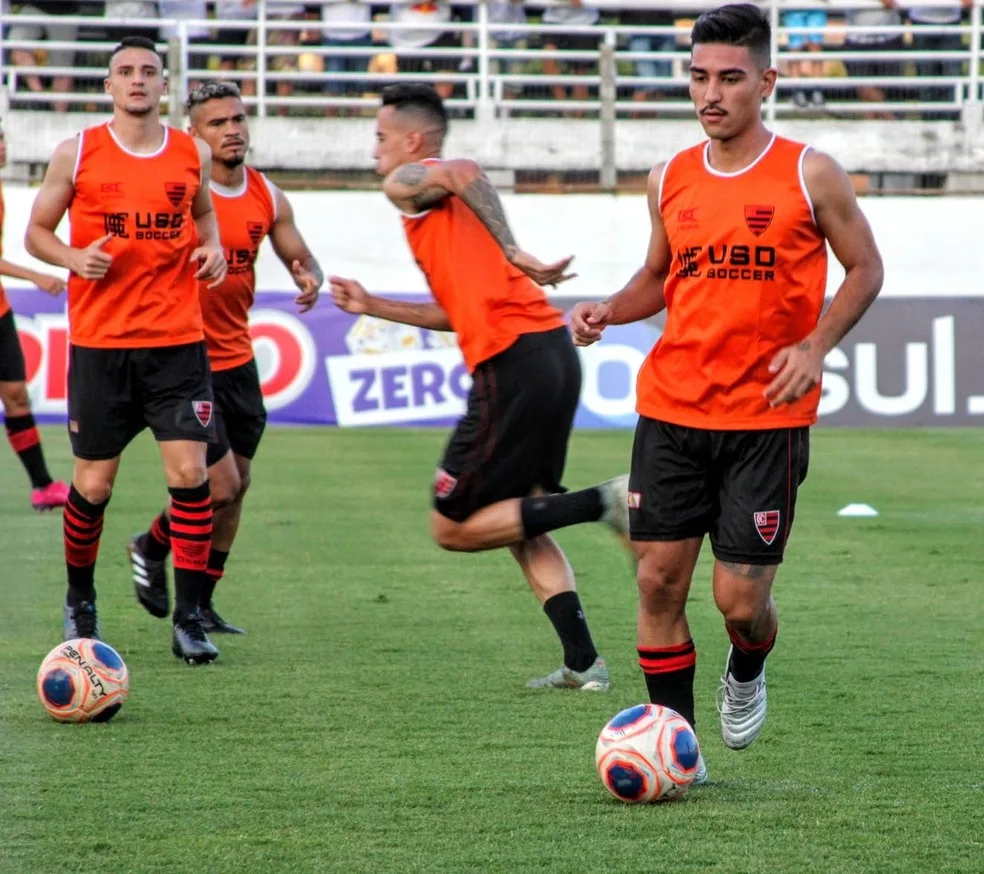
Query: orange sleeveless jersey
x=488, y=301
x=748, y=276
x=4, y=303
x=149, y=297
x=245, y=217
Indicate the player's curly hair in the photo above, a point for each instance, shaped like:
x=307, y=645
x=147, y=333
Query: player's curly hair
x=737, y=24
x=214, y=89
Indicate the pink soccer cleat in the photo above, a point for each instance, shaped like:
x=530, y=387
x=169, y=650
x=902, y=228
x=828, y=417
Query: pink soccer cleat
x=51, y=496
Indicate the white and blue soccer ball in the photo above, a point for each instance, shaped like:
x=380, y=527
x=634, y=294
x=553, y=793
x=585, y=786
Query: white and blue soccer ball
x=647, y=753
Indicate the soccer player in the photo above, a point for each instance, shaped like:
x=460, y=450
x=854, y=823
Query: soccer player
x=248, y=208
x=738, y=258
x=142, y=234
x=24, y=437
x=497, y=484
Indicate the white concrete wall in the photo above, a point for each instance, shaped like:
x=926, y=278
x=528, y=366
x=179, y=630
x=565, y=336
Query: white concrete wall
x=931, y=246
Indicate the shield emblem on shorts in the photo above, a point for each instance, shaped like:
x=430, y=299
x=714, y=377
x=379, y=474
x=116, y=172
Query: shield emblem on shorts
x=758, y=218
x=203, y=412
x=767, y=525
x=444, y=483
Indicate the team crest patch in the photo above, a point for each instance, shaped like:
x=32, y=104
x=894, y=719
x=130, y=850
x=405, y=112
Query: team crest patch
x=444, y=483
x=758, y=218
x=255, y=231
x=176, y=192
x=767, y=525
x=635, y=500
x=203, y=412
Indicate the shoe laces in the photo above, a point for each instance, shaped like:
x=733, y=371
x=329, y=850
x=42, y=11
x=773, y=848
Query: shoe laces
x=736, y=701
x=191, y=626
x=84, y=617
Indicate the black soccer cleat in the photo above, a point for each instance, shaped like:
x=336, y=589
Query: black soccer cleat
x=189, y=643
x=149, y=579
x=212, y=623
x=81, y=621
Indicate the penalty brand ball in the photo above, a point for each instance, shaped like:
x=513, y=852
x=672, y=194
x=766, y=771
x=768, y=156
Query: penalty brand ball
x=647, y=753
x=83, y=680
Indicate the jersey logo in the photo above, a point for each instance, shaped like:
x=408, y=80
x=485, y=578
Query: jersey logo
x=203, y=412
x=634, y=500
x=767, y=525
x=255, y=230
x=687, y=216
x=758, y=218
x=176, y=192
x=444, y=483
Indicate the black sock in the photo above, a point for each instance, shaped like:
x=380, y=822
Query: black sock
x=191, y=537
x=26, y=442
x=564, y=611
x=669, y=673
x=550, y=512
x=82, y=525
x=213, y=573
x=156, y=542
x=748, y=659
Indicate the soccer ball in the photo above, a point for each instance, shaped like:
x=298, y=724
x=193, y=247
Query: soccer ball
x=647, y=753
x=83, y=680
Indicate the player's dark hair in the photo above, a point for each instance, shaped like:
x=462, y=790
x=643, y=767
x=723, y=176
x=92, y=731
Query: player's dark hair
x=419, y=98
x=214, y=89
x=737, y=24
x=134, y=42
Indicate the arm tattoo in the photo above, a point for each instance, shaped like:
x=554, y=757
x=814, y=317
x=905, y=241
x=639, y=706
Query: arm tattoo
x=806, y=346
x=750, y=571
x=428, y=197
x=411, y=174
x=482, y=199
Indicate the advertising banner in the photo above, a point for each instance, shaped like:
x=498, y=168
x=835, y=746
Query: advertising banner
x=911, y=361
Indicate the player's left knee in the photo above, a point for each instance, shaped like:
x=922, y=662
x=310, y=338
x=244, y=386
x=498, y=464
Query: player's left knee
x=244, y=484
x=742, y=610
x=450, y=535
x=15, y=399
x=188, y=474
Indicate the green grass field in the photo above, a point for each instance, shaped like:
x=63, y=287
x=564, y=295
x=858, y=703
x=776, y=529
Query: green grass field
x=375, y=718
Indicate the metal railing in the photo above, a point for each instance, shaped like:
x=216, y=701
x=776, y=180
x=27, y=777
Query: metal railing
x=284, y=72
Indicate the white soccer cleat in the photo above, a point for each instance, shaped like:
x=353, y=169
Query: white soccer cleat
x=615, y=494
x=742, y=707
x=700, y=778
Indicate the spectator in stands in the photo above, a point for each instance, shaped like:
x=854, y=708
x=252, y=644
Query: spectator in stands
x=507, y=12
x=806, y=42
x=237, y=10
x=650, y=43
x=921, y=18
x=433, y=14
x=283, y=10
x=874, y=42
x=574, y=13
x=137, y=10
x=49, y=30
x=334, y=14
x=197, y=34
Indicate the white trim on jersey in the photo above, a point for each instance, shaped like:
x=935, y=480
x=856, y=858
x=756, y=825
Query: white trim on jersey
x=163, y=146
x=274, y=191
x=802, y=182
x=78, y=157
x=713, y=172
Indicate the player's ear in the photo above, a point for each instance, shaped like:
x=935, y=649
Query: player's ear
x=414, y=140
x=769, y=82
x=106, y=84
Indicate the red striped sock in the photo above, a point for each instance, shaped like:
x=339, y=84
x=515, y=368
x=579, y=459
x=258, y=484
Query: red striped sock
x=191, y=538
x=669, y=673
x=82, y=524
x=25, y=440
x=748, y=657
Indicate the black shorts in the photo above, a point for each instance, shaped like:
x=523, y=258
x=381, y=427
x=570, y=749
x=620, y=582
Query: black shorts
x=240, y=416
x=513, y=436
x=739, y=487
x=11, y=354
x=113, y=394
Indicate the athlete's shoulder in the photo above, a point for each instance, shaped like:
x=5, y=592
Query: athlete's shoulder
x=262, y=187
